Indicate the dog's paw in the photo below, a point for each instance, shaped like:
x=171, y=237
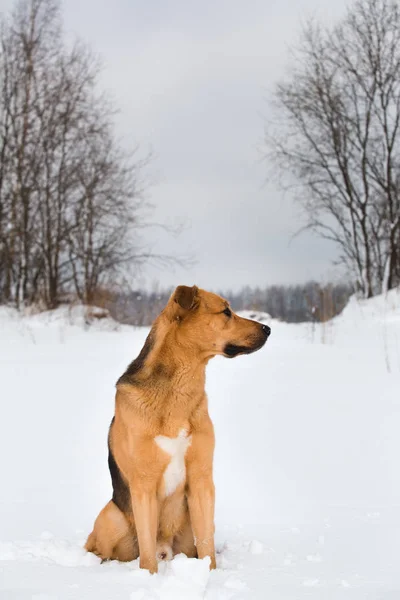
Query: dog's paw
x=164, y=552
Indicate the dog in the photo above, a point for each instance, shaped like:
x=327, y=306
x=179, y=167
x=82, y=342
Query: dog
x=161, y=439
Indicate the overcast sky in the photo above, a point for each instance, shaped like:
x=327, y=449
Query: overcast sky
x=191, y=79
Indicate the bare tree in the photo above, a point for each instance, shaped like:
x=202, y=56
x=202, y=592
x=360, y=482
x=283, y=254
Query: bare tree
x=102, y=232
x=6, y=92
x=336, y=133
x=71, y=198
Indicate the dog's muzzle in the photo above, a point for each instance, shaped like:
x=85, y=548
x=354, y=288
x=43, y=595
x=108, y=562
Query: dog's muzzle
x=232, y=350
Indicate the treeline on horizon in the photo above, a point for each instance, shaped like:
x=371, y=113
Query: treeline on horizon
x=310, y=301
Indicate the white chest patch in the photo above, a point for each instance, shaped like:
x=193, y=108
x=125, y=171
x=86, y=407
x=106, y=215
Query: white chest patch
x=175, y=472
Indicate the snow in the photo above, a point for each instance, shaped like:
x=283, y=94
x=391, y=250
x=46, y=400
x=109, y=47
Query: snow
x=256, y=315
x=306, y=465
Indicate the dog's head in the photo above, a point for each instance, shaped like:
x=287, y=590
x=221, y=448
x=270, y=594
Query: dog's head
x=204, y=322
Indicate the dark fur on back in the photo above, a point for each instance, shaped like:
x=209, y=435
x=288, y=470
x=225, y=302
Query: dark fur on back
x=138, y=363
x=121, y=495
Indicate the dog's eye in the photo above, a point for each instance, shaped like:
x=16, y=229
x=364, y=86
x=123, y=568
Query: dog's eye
x=227, y=312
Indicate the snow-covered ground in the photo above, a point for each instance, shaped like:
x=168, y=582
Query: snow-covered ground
x=307, y=462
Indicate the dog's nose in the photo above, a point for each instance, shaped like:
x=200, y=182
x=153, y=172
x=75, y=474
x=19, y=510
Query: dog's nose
x=266, y=330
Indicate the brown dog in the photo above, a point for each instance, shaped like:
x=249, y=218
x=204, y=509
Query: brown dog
x=161, y=439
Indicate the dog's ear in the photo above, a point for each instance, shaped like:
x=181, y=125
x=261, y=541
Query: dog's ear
x=186, y=296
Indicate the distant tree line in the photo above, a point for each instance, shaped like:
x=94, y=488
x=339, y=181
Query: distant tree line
x=334, y=138
x=293, y=303
x=71, y=202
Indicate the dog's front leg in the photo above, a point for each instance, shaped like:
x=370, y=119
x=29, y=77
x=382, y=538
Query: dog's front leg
x=201, y=499
x=145, y=512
